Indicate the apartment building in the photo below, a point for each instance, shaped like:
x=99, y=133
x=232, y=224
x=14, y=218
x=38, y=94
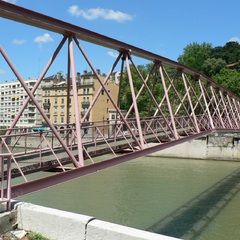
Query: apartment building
x=54, y=97
x=12, y=97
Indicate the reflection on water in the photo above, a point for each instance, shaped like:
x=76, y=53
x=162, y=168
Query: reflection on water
x=151, y=192
x=192, y=218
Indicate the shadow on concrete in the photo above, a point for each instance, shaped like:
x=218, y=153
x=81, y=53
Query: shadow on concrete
x=192, y=218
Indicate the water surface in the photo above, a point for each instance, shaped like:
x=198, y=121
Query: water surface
x=150, y=193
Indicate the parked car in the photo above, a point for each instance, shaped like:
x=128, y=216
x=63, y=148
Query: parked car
x=40, y=129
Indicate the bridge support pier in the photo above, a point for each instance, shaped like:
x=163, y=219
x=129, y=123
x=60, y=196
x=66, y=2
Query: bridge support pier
x=6, y=195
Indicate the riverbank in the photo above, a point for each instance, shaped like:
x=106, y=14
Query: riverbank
x=62, y=225
x=218, y=146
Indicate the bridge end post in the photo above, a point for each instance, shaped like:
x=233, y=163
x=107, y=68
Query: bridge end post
x=6, y=194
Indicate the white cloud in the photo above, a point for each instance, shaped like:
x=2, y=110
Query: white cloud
x=235, y=39
x=10, y=1
x=112, y=54
x=18, y=41
x=45, y=38
x=95, y=13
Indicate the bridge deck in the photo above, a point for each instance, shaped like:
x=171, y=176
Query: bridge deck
x=44, y=159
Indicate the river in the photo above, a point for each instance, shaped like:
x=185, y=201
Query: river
x=191, y=199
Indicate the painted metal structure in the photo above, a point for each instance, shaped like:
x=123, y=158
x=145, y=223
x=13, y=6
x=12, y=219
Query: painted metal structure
x=183, y=105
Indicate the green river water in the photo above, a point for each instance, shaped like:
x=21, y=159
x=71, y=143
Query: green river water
x=189, y=199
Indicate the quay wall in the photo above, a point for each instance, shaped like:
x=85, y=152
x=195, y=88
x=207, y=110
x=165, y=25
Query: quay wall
x=212, y=147
x=61, y=225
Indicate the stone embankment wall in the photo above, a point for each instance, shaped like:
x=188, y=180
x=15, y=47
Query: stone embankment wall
x=61, y=225
x=213, y=147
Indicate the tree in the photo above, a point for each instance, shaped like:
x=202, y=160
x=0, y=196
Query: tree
x=194, y=55
x=213, y=62
x=230, y=52
x=212, y=66
x=230, y=79
x=144, y=100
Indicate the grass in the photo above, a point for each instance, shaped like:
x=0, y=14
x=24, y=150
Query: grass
x=36, y=236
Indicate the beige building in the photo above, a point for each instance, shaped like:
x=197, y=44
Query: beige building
x=54, y=98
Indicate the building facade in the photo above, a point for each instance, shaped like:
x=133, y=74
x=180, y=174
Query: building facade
x=12, y=97
x=55, y=98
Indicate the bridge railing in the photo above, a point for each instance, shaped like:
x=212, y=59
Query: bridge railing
x=31, y=140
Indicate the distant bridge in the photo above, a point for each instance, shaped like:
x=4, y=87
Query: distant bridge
x=188, y=105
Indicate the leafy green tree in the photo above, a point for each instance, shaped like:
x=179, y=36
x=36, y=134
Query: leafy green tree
x=213, y=62
x=232, y=52
x=212, y=66
x=195, y=54
x=144, y=100
x=230, y=79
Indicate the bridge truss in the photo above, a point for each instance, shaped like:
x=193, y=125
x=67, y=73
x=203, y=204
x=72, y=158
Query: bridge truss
x=182, y=105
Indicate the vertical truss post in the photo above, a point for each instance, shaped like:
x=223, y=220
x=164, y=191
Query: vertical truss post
x=101, y=83
x=6, y=196
x=190, y=102
x=232, y=111
x=144, y=85
x=76, y=108
x=104, y=88
x=134, y=102
x=168, y=102
x=217, y=108
x=206, y=104
x=68, y=95
x=237, y=111
x=120, y=82
x=225, y=109
x=39, y=108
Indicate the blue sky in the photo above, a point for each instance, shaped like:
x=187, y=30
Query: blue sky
x=159, y=26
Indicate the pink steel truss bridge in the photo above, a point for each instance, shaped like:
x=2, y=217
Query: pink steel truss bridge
x=183, y=105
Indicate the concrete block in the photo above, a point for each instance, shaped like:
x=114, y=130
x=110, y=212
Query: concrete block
x=195, y=149
x=101, y=230
x=7, y=221
x=52, y=223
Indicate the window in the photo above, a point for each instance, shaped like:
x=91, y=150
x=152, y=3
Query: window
x=86, y=91
x=62, y=101
x=55, y=100
x=62, y=119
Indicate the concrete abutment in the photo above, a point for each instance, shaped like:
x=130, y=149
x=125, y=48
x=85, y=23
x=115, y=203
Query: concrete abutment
x=218, y=146
x=61, y=225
